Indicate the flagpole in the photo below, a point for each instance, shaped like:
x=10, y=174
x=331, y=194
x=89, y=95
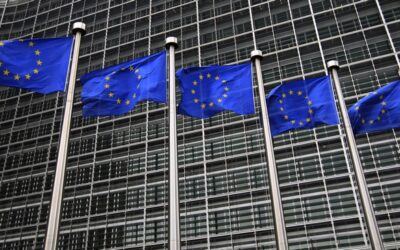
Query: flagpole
x=56, y=201
x=277, y=210
x=372, y=225
x=174, y=232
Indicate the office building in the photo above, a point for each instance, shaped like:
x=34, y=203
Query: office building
x=116, y=189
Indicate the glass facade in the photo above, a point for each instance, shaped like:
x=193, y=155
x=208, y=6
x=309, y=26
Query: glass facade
x=116, y=185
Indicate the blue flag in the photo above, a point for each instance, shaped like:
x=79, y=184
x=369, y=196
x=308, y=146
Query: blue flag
x=212, y=89
x=301, y=104
x=40, y=65
x=378, y=111
x=117, y=89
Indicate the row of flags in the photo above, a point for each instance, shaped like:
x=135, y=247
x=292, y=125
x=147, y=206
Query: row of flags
x=41, y=65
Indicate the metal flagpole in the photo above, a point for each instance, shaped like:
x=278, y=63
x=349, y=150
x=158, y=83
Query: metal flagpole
x=56, y=200
x=372, y=225
x=279, y=221
x=174, y=232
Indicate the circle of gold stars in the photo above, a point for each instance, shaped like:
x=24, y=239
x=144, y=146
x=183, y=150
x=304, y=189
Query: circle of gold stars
x=111, y=94
x=27, y=76
x=381, y=113
x=286, y=116
x=196, y=83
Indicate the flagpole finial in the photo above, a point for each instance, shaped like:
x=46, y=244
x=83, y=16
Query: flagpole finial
x=171, y=41
x=79, y=26
x=333, y=64
x=256, y=54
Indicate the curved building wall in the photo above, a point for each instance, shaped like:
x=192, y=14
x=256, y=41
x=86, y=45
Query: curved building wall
x=116, y=188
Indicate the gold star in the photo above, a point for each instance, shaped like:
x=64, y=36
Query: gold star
x=107, y=78
x=362, y=121
x=137, y=70
x=357, y=108
x=21, y=40
x=299, y=92
x=383, y=103
x=226, y=88
x=1, y=64
x=35, y=71
x=107, y=86
x=211, y=104
x=17, y=77
x=6, y=72
x=195, y=83
x=381, y=97
x=130, y=68
x=134, y=96
x=196, y=100
x=37, y=52
x=291, y=92
x=383, y=111
x=203, y=106
x=225, y=95
x=219, y=100
x=217, y=78
x=309, y=102
x=293, y=121
x=375, y=92
x=138, y=86
x=223, y=81
x=208, y=75
x=308, y=120
x=31, y=44
x=280, y=101
x=281, y=108
x=371, y=121
x=1, y=44
x=111, y=94
x=378, y=118
x=286, y=117
x=38, y=62
x=193, y=91
x=118, y=101
x=300, y=123
x=201, y=77
x=284, y=95
x=27, y=76
x=139, y=77
x=310, y=111
x=127, y=102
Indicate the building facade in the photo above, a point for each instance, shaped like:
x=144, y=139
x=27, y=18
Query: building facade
x=116, y=185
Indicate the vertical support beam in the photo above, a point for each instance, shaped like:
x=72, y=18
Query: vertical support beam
x=56, y=200
x=277, y=210
x=174, y=232
x=378, y=5
x=372, y=225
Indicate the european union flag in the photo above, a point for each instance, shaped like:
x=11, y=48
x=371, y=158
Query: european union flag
x=301, y=104
x=378, y=111
x=116, y=90
x=212, y=89
x=40, y=65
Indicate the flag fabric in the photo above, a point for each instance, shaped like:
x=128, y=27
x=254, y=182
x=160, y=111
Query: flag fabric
x=117, y=89
x=209, y=90
x=301, y=104
x=378, y=111
x=40, y=65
